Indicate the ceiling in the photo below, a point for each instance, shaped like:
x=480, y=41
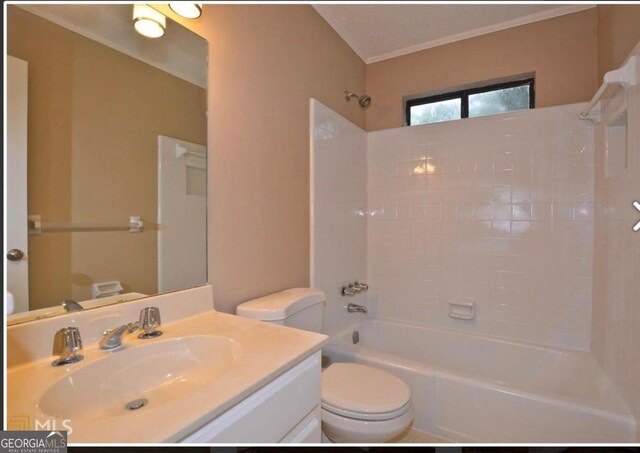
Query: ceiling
x=179, y=52
x=379, y=32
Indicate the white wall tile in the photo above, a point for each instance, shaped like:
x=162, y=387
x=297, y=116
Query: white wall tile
x=500, y=211
x=339, y=206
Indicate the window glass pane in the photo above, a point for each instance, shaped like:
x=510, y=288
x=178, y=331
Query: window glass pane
x=499, y=101
x=436, y=111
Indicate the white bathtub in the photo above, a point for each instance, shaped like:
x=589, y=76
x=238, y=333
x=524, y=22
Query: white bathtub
x=468, y=388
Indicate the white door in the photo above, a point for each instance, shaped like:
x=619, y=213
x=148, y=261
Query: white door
x=16, y=253
x=182, y=214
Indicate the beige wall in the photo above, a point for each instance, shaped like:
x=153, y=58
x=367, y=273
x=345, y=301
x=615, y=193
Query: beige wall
x=94, y=117
x=561, y=51
x=618, y=33
x=265, y=62
x=274, y=58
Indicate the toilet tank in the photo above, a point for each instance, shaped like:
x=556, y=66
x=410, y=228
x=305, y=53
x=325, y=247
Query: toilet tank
x=301, y=308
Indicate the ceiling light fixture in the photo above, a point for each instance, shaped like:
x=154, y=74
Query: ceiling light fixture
x=147, y=21
x=189, y=10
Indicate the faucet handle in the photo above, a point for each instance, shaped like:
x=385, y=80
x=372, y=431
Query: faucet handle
x=361, y=286
x=149, y=320
x=66, y=343
x=348, y=291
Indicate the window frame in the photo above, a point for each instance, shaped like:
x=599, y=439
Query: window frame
x=464, y=94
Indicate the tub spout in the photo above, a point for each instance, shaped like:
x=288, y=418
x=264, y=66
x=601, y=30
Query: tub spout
x=355, y=308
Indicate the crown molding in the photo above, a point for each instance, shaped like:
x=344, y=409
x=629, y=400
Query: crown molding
x=524, y=20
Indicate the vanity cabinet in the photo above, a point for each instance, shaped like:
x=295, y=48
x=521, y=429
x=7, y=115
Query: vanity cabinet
x=246, y=381
x=285, y=410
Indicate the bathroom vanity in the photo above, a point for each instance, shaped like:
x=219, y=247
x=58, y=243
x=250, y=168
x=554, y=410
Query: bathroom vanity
x=253, y=421
x=209, y=378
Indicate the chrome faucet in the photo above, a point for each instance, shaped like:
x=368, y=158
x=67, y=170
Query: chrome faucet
x=112, y=339
x=71, y=305
x=149, y=320
x=66, y=343
x=355, y=308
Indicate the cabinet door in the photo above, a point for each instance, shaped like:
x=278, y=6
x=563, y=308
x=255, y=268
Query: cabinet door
x=271, y=413
x=307, y=431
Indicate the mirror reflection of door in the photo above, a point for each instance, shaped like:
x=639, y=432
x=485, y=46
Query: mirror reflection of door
x=17, y=242
x=100, y=94
x=182, y=214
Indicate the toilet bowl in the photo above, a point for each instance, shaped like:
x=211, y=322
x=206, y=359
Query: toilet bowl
x=363, y=404
x=359, y=403
x=347, y=430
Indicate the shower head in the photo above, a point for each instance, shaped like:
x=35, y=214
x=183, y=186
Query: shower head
x=363, y=100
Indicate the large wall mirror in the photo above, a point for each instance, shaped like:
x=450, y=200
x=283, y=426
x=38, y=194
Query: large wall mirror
x=106, y=159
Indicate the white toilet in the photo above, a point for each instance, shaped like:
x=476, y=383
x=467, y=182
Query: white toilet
x=359, y=403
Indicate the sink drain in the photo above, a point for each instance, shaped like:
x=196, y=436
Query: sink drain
x=136, y=404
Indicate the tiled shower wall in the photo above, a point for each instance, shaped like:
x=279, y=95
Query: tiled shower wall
x=338, y=212
x=498, y=210
x=616, y=304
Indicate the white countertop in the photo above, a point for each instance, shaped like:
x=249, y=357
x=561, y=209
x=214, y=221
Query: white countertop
x=262, y=352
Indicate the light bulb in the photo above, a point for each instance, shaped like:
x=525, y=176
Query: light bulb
x=189, y=10
x=148, y=22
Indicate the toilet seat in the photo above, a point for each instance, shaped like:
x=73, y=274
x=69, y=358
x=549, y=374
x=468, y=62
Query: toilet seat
x=362, y=392
x=368, y=417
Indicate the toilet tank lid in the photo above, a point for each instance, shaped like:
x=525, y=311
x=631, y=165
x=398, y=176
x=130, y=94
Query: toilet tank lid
x=281, y=305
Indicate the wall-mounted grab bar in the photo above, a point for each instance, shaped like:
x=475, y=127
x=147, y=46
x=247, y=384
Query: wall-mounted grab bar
x=37, y=226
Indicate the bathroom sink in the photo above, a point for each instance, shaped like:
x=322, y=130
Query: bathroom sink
x=139, y=377
x=202, y=366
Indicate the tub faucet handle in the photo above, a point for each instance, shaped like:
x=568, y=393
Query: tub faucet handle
x=361, y=286
x=355, y=288
x=349, y=291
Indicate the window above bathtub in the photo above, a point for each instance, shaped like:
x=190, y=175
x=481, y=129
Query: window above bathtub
x=485, y=98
